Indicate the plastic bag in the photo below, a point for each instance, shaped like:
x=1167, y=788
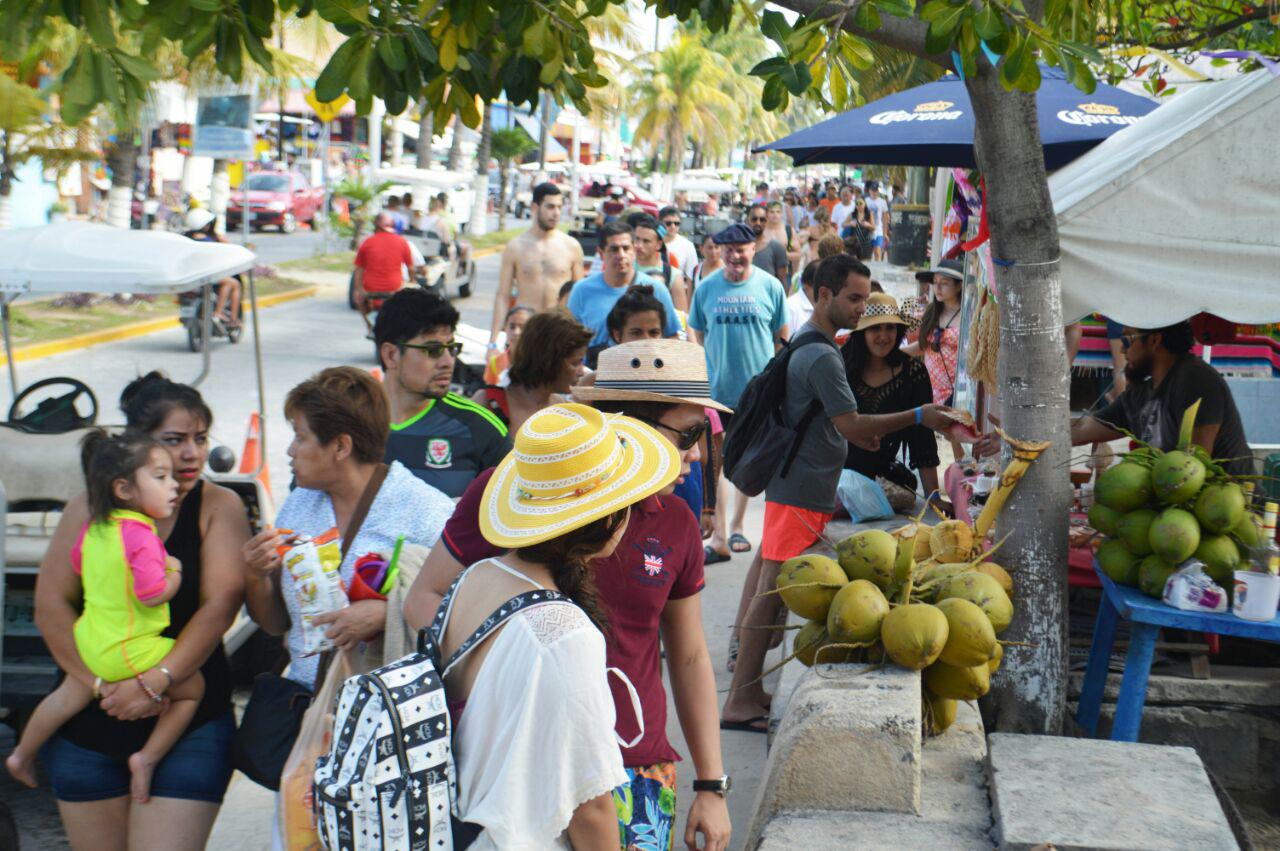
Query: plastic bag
x=297, y=804
x=314, y=564
x=1190, y=588
x=862, y=498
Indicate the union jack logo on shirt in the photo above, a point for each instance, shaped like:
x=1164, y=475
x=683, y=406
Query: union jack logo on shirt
x=652, y=564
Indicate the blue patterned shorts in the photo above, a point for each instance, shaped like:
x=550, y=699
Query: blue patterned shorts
x=646, y=807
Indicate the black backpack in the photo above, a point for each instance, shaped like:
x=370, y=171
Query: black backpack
x=759, y=429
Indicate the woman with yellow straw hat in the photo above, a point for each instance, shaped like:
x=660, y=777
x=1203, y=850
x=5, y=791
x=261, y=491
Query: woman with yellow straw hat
x=534, y=743
x=885, y=380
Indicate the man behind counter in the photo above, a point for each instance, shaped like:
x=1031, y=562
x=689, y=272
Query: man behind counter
x=1165, y=379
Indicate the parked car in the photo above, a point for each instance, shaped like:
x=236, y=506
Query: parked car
x=279, y=199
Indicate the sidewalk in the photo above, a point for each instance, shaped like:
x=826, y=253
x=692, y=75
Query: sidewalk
x=244, y=822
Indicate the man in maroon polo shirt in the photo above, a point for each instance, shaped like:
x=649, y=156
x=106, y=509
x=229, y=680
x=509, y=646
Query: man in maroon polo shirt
x=379, y=261
x=649, y=588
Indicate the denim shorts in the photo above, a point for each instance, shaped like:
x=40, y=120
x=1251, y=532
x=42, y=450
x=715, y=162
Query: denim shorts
x=197, y=768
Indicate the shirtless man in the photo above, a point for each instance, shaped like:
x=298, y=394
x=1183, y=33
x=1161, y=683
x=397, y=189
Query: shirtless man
x=538, y=262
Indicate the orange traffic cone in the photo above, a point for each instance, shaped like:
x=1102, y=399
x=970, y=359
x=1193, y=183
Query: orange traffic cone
x=252, y=455
x=376, y=372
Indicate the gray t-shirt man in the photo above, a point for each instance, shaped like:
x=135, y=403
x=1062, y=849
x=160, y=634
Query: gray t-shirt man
x=771, y=258
x=816, y=371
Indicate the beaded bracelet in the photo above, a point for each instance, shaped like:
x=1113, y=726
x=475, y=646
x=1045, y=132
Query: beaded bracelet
x=151, y=693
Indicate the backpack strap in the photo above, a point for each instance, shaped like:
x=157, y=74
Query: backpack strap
x=815, y=406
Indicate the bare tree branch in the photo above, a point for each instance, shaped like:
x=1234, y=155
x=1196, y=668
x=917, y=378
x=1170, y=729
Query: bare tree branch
x=905, y=34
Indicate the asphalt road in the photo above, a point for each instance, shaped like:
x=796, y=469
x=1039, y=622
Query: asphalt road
x=298, y=339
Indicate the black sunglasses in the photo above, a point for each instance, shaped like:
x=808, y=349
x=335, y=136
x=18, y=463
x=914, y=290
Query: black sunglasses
x=435, y=348
x=671, y=223
x=758, y=219
x=685, y=440
x=1129, y=339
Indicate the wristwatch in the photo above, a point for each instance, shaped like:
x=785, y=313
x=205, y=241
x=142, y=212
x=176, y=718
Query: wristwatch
x=720, y=786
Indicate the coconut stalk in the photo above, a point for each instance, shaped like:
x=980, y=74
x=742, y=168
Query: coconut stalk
x=1024, y=452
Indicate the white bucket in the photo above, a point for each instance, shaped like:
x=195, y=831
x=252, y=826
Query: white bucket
x=1257, y=595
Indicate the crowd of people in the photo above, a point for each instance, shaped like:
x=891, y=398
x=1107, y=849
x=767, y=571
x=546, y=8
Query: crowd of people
x=588, y=469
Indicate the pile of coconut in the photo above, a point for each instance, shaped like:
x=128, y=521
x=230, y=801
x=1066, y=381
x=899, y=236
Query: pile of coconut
x=927, y=598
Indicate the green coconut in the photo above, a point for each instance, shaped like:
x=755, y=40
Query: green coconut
x=951, y=541
x=970, y=637
x=957, y=683
x=913, y=635
x=1177, y=477
x=984, y=592
x=1220, y=506
x=809, y=583
x=856, y=613
x=1106, y=520
x=993, y=664
x=1135, y=530
x=938, y=713
x=807, y=641
x=870, y=554
x=1124, y=487
x=1153, y=573
x=999, y=574
x=1117, y=562
x=1174, y=535
x=1221, y=558
x=1248, y=530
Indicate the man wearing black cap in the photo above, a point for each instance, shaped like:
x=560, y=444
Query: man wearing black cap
x=738, y=314
x=1165, y=379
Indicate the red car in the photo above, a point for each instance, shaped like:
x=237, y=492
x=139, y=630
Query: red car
x=633, y=195
x=278, y=199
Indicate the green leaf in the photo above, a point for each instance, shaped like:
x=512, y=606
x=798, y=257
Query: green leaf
x=968, y=47
x=135, y=67
x=344, y=11
x=772, y=94
x=397, y=101
x=796, y=78
x=897, y=8
x=867, y=18
x=257, y=51
x=449, y=49
x=206, y=5
x=1015, y=63
x=775, y=27
x=768, y=67
x=391, y=52
x=333, y=79
x=856, y=52
x=97, y=19
x=422, y=44
x=943, y=26
x=989, y=23
x=359, y=83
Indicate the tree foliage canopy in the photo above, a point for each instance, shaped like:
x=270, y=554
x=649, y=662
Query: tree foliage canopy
x=452, y=54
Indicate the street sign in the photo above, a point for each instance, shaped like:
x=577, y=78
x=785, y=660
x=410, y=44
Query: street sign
x=326, y=112
x=224, y=127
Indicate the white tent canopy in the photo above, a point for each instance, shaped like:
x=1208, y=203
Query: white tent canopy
x=93, y=258
x=1178, y=213
x=709, y=185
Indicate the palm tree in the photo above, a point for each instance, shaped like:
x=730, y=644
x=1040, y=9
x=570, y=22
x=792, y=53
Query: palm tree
x=426, y=131
x=506, y=145
x=480, y=206
x=680, y=94
x=27, y=133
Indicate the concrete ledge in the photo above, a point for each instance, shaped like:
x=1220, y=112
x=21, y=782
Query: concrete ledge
x=1229, y=685
x=848, y=741
x=1095, y=794
x=955, y=812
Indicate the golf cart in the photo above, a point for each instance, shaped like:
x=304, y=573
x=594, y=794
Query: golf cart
x=40, y=438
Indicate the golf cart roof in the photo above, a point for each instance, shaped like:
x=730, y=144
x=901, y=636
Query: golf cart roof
x=438, y=179
x=92, y=258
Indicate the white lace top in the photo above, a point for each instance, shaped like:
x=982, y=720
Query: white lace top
x=536, y=738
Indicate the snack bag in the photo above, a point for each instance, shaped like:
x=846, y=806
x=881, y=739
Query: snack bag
x=1190, y=588
x=313, y=563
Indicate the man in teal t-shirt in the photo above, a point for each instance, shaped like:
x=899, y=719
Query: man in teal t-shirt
x=739, y=316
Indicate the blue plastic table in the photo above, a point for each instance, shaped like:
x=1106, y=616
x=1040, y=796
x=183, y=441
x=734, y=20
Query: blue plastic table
x=1145, y=615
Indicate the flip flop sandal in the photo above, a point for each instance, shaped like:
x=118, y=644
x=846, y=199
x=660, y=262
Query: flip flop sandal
x=710, y=556
x=738, y=543
x=748, y=726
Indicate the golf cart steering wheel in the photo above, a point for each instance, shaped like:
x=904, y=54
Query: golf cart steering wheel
x=55, y=414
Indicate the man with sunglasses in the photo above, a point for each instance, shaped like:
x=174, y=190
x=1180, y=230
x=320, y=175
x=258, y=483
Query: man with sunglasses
x=1165, y=379
x=650, y=589
x=771, y=255
x=441, y=437
x=678, y=247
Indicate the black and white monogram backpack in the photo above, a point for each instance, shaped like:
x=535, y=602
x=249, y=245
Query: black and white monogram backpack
x=388, y=781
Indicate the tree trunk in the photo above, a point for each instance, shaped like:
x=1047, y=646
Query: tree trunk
x=1029, y=696
x=123, y=161
x=219, y=194
x=426, y=130
x=6, y=182
x=455, y=147
x=503, y=165
x=544, y=133
x=480, y=205
x=397, y=142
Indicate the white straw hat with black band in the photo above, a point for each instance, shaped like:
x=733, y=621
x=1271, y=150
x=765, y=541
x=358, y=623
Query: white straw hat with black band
x=668, y=371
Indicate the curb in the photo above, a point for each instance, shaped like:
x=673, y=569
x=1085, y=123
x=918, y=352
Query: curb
x=36, y=351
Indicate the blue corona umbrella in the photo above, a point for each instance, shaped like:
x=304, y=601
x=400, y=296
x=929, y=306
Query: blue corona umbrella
x=932, y=125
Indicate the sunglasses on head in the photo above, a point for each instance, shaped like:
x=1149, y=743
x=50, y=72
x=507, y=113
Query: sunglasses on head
x=685, y=440
x=435, y=348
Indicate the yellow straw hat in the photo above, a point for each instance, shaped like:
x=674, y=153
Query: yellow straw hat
x=652, y=371
x=882, y=309
x=571, y=466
